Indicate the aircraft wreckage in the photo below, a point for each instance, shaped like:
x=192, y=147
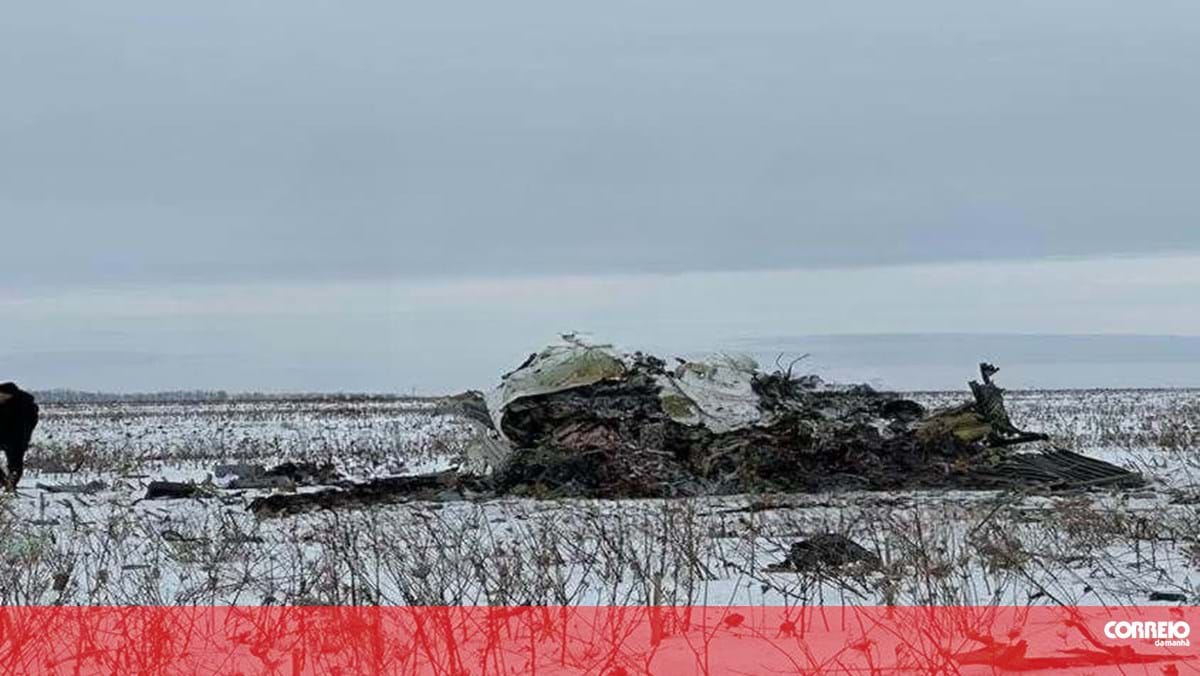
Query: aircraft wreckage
x=584, y=420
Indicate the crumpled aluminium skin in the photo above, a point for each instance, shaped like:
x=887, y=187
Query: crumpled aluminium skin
x=715, y=392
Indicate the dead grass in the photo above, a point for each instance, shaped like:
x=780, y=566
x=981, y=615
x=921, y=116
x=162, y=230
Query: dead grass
x=933, y=548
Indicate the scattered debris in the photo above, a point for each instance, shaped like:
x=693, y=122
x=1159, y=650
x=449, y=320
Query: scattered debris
x=287, y=475
x=583, y=420
x=306, y=473
x=1058, y=469
x=263, y=482
x=89, y=488
x=828, y=550
x=448, y=485
x=174, y=490
x=1171, y=597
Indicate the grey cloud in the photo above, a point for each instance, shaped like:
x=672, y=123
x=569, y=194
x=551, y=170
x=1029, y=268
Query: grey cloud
x=147, y=142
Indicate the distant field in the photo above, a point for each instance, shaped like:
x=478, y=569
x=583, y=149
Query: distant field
x=107, y=546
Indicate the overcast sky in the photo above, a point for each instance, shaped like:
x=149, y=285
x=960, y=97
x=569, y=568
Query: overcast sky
x=192, y=192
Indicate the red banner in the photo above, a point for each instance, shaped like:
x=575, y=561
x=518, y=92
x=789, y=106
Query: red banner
x=606, y=641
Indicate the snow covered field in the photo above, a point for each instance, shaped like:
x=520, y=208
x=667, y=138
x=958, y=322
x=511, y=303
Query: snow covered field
x=108, y=546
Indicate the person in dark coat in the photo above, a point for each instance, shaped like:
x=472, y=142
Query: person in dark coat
x=18, y=418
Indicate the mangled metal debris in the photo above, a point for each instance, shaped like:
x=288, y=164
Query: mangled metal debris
x=584, y=420
x=89, y=488
x=287, y=475
x=581, y=419
x=178, y=490
x=1056, y=468
x=826, y=551
x=439, y=486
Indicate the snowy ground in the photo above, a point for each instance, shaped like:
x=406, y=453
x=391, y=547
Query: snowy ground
x=937, y=547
